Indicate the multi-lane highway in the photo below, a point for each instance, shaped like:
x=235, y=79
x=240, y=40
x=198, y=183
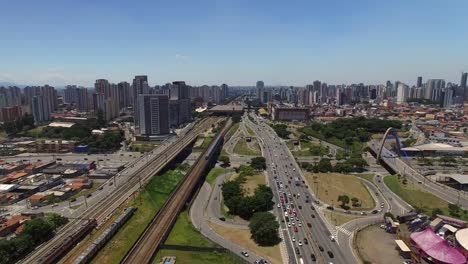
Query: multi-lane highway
x=303, y=223
x=100, y=209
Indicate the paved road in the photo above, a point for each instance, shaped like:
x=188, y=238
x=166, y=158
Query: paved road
x=444, y=192
x=282, y=170
x=200, y=221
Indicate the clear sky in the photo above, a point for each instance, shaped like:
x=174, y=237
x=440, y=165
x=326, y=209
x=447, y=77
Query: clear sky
x=236, y=42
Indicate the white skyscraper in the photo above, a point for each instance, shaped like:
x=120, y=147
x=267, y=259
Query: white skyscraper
x=402, y=93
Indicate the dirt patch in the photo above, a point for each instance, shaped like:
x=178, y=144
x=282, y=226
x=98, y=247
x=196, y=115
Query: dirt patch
x=328, y=186
x=383, y=251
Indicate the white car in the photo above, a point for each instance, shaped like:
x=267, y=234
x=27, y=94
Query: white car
x=299, y=243
x=245, y=254
x=289, y=225
x=293, y=239
x=332, y=238
x=300, y=225
x=279, y=206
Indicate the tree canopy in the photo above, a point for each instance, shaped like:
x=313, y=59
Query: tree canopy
x=264, y=229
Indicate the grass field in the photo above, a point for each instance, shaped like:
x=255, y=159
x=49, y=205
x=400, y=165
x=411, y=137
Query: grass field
x=184, y=233
x=250, y=131
x=251, y=182
x=338, y=219
x=331, y=185
x=141, y=147
x=214, y=173
x=309, y=149
x=242, y=237
x=231, y=131
x=242, y=148
x=148, y=202
x=35, y=132
x=417, y=197
x=369, y=177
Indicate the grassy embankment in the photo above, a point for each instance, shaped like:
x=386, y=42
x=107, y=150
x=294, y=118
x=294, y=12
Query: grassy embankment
x=417, y=197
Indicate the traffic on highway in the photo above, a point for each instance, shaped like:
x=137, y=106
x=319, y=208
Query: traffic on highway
x=307, y=236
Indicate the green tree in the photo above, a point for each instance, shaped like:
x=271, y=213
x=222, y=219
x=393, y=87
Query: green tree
x=226, y=162
x=324, y=165
x=344, y=199
x=435, y=212
x=39, y=229
x=453, y=209
x=258, y=163
x=355, y=201
x=101, y=121
x=264, y=229
x=236, y=118
x=263, y=198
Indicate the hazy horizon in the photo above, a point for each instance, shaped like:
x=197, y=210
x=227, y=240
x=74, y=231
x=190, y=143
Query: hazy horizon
x=233, y=42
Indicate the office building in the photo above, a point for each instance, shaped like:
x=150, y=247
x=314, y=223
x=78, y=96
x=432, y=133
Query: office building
x=260, y=87
x=154, y=115
x=179, y=105
x=402, y=93
x=433, y=89
x=463, y=85
x=446, y=98
x=419, y=82
x=125, y=94
x=139, y=87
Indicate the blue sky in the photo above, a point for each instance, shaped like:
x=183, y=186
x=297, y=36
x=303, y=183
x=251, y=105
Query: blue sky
x=235, y=42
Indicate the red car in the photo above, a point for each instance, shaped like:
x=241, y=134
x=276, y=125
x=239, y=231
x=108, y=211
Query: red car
x=295, y=229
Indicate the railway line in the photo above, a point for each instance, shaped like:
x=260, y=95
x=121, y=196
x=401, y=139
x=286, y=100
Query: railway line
x=146, y=246
x=105, y=207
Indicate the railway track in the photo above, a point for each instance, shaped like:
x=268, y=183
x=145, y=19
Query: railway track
x=105, y=207
x=155, y=233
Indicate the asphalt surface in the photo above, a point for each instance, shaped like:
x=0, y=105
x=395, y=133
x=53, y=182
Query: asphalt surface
x=282, y=169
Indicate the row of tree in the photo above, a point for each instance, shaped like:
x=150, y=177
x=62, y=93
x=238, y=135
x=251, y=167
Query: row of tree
x=23, y=123
x=35, y=232
x=353, y=164
x=348, y=130
x=281, y=130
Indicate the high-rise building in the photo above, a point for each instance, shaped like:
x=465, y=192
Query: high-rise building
x=433, y=89
x=139, y=86
x=154, y=115
x=224, y=91
x=40, y=109
x=446, y=98
x=402, y=93
x=419, y=83
x=125, y=94
x=82, y=99
x=179, y=105
x=260, y=86
x=98, y=103
x=463, y=85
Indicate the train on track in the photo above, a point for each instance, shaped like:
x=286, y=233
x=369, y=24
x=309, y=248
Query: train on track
x=91, y=250
x=64, y=246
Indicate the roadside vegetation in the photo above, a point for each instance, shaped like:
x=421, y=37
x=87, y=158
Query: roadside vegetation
x=349, y=133
x=421, y=200
x=148, y=202
x=35, y=232
x=242, y=147
x=281, y=130
x=185, y=234
x=239, y=203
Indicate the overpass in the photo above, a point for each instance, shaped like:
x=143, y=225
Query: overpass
x=394, y=163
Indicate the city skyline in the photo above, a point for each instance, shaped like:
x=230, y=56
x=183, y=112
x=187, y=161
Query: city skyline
x=231, y=42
